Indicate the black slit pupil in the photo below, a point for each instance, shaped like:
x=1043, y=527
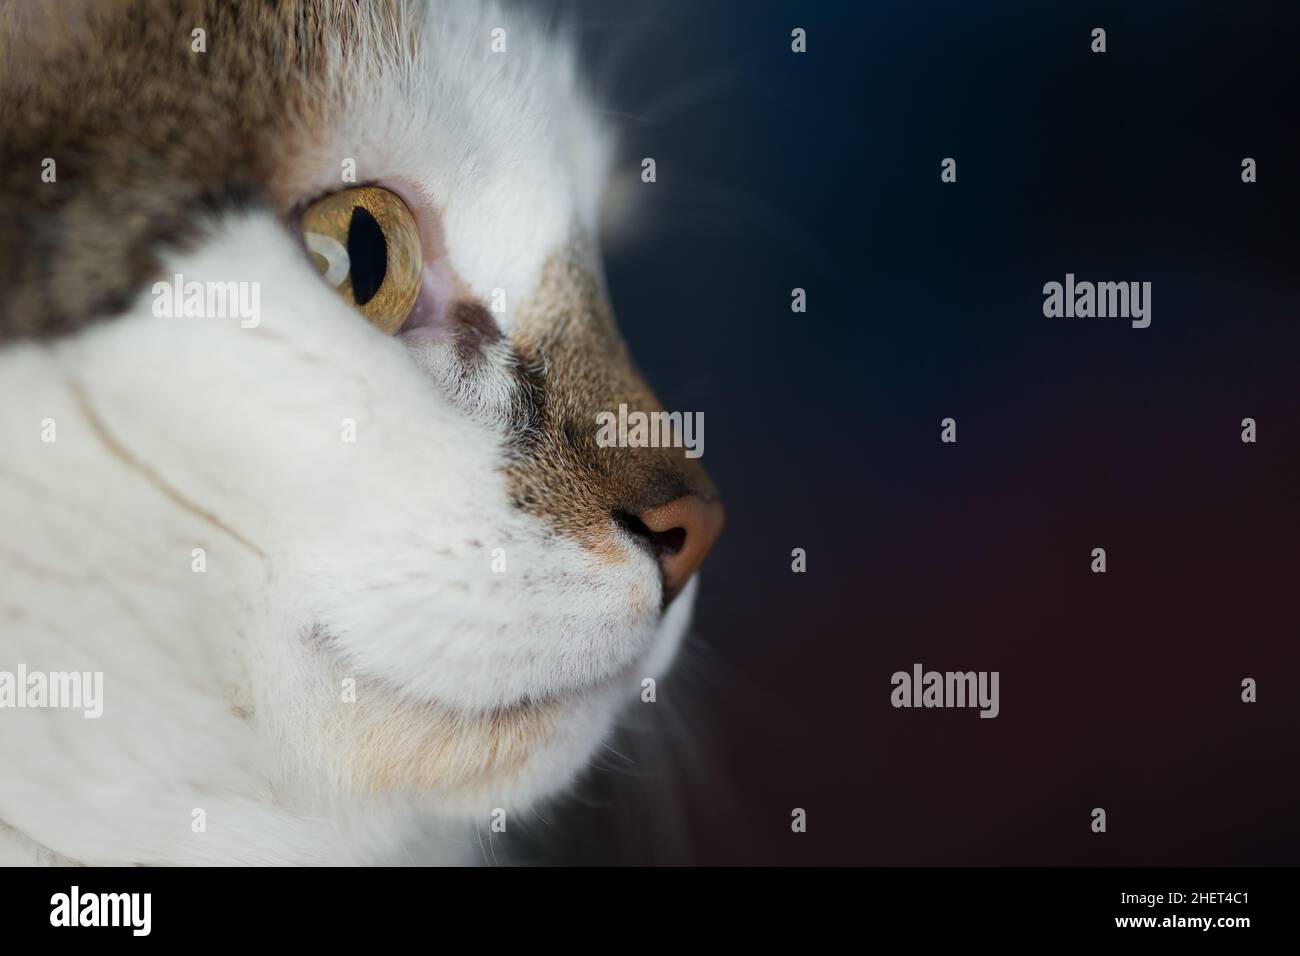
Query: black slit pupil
x=368, y=255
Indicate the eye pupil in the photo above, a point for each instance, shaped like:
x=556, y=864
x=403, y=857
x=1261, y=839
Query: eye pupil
x=368, y=254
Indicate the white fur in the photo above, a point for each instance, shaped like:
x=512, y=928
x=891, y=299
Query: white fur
x=326, y=560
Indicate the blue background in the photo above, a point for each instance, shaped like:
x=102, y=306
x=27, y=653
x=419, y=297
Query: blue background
x=821, y=170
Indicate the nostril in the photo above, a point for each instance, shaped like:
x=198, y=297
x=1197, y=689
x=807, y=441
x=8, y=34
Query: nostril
x=631, y=524
x=670, y=541
x=679, y=533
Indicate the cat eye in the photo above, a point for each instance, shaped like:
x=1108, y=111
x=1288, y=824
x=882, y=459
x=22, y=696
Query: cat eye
x=366, y=244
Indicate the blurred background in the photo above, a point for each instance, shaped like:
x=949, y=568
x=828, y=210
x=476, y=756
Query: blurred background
x=821, y=171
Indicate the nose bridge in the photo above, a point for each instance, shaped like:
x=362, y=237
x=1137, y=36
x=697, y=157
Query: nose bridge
x=579, y=374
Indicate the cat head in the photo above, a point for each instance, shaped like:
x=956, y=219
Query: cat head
x=425, y=511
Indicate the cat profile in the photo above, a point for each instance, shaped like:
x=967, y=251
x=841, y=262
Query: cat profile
x=303, y=343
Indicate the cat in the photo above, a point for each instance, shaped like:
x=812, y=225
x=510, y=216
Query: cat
x=358, y=579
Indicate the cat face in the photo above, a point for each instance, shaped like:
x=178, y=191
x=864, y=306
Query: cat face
x=424, y=519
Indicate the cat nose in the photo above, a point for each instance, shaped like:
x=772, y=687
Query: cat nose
x=681, y=532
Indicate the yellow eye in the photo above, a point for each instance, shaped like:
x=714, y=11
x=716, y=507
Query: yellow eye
x=365, y=243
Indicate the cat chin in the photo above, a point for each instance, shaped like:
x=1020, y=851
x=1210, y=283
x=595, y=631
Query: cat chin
x=584, y=719
x=465, y=763
x=557, y=769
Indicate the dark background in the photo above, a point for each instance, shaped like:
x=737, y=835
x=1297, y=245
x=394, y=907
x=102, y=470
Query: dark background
x=821, y=170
